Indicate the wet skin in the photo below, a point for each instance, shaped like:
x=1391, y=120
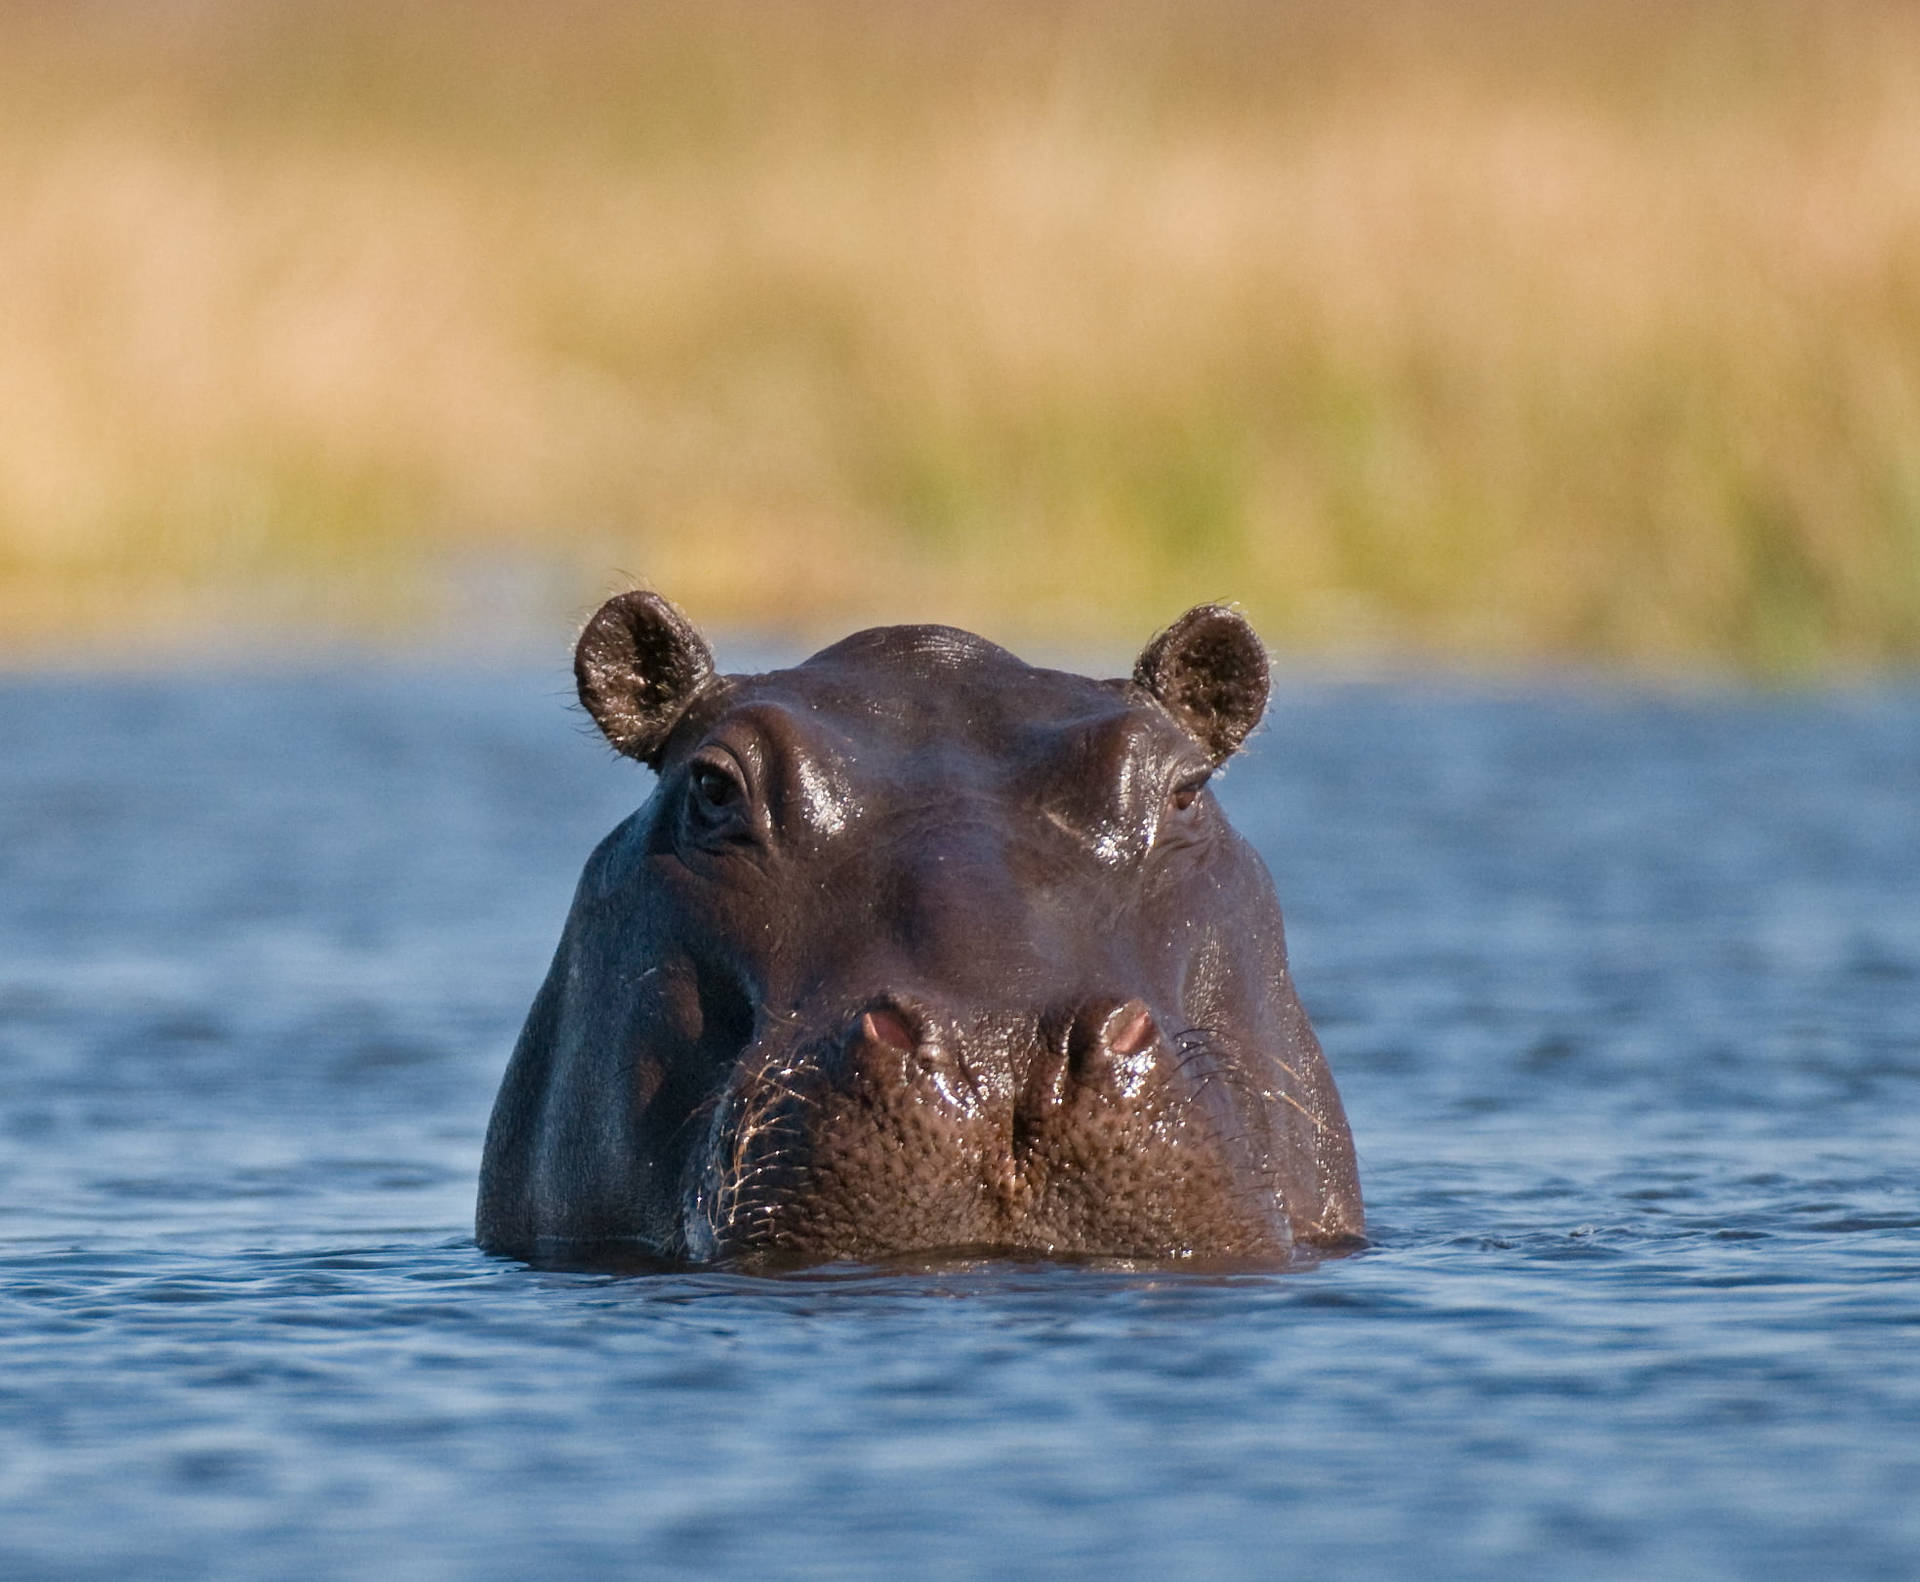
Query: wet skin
x=919, y=948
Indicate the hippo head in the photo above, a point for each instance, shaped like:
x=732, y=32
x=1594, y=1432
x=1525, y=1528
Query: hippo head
x=917, y=947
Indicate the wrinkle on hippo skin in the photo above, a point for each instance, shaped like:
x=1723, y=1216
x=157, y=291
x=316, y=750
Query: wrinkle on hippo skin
x=918, y=948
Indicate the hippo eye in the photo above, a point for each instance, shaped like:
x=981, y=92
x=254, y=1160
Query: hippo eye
x=714, y=791
x=1183, y=796
x=714, y=787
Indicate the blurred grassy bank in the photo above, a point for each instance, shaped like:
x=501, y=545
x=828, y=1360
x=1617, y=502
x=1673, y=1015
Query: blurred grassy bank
x=1551, y=328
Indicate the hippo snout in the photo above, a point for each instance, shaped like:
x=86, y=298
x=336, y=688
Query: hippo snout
x=1078, y=1129
x=916, y=947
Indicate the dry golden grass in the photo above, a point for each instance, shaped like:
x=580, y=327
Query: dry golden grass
x=1556, y=328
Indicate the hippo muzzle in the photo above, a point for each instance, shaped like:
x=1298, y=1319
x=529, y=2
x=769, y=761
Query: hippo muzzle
x=918, y=948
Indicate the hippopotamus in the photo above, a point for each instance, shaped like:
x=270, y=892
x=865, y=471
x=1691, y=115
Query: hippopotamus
x=919, y=950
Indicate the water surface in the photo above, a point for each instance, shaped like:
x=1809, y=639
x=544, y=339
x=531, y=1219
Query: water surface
x=1622, y=989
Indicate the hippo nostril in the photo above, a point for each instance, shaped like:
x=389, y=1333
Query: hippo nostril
x=1130, y=1029
x=896, y=1049
x=884, y=1025
x=1113, y=1046
x=1114, y=1049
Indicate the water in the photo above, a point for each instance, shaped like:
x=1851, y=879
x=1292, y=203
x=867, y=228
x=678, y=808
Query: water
x=1623, y=992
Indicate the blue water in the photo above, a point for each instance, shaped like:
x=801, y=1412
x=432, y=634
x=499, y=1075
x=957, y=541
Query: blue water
x=1623, y=991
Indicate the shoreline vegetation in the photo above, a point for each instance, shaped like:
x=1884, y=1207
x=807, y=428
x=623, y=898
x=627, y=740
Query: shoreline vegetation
x=1488, y=333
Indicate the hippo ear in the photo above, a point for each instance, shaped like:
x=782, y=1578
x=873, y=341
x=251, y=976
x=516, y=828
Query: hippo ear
x=1210, y=672
x=638, y=665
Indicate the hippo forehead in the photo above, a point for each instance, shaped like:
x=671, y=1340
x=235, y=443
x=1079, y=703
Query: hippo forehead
x=936, y=702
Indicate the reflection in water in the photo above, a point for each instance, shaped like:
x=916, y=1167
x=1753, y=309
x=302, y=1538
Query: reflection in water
x=1618, y=988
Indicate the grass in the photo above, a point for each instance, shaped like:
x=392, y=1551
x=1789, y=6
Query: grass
x=1484, y=332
